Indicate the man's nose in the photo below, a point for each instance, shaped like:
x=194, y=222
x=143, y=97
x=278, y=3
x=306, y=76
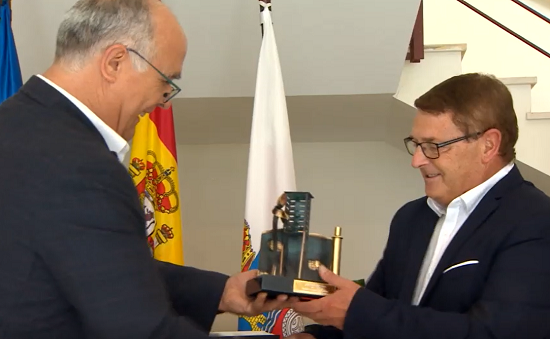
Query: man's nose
x=418, y=158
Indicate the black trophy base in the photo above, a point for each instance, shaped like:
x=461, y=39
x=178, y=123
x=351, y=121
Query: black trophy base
x=275, y=285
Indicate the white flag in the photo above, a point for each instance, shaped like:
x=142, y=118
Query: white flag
x=270, y=172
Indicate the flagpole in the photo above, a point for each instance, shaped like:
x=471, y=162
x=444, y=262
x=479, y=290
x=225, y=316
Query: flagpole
x=263, y=5
x=270, y=172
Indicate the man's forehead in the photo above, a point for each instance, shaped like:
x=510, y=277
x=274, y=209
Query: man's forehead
x=169, y=62
x=421, y=138
x=172, y=55
x=432, y=127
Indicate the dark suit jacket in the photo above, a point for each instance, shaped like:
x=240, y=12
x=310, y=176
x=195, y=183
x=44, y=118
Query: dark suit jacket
x=74, y=260
x=505, y=295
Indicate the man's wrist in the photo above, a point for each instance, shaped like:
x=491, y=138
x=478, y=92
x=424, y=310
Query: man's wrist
x=223, y=307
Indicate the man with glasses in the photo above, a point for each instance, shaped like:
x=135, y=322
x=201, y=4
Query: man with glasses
x=470, y=260
x=74, y=258
x=167, y=96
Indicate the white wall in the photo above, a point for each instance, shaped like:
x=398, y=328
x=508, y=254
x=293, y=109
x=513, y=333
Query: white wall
x=491, y=49
x=533, y=141
x=358, y=186
x=439, y=64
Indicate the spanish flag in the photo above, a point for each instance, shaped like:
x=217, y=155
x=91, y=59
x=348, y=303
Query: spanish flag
x=154, y=170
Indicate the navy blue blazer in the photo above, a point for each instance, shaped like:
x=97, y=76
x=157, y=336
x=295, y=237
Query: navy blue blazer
x=74, y=259
x=502, y=292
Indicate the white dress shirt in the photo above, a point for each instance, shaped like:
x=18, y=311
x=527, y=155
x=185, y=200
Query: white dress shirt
x=450, y=221
x=113, y=140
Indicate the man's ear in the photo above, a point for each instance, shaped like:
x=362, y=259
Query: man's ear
x=112, y=61
x=490, y=144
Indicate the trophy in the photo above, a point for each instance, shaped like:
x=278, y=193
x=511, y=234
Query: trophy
x=290, y=256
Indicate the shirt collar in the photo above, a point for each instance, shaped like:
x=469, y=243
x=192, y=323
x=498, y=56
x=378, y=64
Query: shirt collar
x=114, y=141
x=471, y=198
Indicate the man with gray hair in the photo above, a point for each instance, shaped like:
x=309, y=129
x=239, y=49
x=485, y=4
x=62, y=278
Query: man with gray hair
x=74, y=260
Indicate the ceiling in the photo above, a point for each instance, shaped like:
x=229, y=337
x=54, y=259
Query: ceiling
x=326, y=47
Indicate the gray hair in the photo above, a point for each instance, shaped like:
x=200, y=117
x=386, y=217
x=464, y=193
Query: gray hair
x=91, y=26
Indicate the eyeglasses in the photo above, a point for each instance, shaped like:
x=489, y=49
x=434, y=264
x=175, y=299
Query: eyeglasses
x=175, y=88
x=431, y=149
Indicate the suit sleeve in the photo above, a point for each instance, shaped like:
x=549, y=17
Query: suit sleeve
x=89, y=234
x=515, y=302
x=194, y=293
x=375, y=284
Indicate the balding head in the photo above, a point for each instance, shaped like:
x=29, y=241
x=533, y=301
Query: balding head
x=119, y=57
x=90, y=26
x=168, y=37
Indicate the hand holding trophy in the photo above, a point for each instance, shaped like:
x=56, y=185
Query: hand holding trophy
x=290, y=256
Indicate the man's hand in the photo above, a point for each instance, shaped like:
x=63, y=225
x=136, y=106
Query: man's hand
x=235, y=300
x=329, y=310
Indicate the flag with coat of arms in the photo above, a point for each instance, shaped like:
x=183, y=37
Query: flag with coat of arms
x=154, y=169
x=270, y=172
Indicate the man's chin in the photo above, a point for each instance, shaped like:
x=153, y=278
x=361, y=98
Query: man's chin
x=433, y=193
x=128, y=135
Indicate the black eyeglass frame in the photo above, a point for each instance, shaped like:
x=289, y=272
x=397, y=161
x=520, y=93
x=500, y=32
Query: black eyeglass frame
x=175, y=88
x=436, y=146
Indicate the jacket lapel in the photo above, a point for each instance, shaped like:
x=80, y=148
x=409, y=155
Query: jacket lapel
x=58, y=104
x=484, y=209
x=422, y=233
x=478, y=216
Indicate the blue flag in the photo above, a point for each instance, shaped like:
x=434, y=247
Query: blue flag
x=10, y=72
